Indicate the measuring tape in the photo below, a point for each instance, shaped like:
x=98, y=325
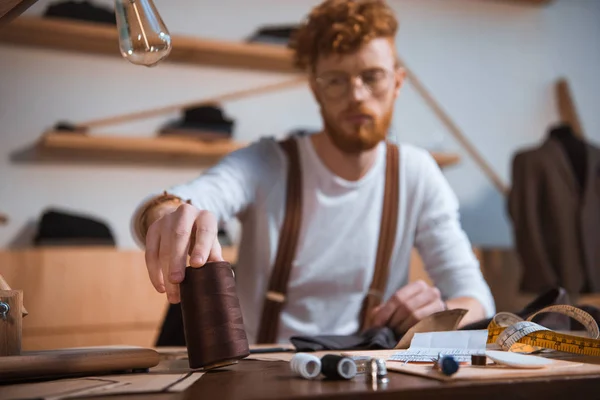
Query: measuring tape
x=512, y=333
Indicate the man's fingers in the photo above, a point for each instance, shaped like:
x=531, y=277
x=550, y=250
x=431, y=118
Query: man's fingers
x=151, y=256
x=419, y=314
x=181, y=230
x=385, y=312
x=411, y=304
x=206, y=234
x=164, y=254
x=172, y=292
x=215, y=252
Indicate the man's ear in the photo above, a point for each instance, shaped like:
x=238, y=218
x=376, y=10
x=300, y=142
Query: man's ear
x=399, y=77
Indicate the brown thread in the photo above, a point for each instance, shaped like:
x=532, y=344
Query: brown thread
x=212, y=317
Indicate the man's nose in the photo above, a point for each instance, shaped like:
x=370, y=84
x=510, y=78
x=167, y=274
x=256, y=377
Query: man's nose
x=358, y=90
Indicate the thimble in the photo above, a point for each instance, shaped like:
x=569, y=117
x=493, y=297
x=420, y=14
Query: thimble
x=377, y=371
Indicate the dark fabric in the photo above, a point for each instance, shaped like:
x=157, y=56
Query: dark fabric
x=81, y=10
x=171, y=332
x=372, y=339
x=65, y=126
x=556, y=223
x=575, y=149
x=274, y=34
x=57, y=227
x=205, y=122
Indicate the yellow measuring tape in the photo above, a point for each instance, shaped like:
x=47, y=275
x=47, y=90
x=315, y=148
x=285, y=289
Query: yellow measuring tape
x=512, y=333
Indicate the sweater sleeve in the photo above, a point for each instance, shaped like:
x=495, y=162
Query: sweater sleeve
x=229, y=187
x=442, y=243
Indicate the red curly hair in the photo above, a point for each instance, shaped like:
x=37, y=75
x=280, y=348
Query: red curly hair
x=341, y=27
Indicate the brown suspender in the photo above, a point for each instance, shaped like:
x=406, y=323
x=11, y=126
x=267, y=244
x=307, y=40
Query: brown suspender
x=288, y=240
x=387, y=233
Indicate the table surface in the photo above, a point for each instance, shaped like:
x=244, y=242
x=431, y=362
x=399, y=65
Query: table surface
x=250, y=379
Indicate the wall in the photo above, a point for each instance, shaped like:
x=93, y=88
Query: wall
x=491, y=65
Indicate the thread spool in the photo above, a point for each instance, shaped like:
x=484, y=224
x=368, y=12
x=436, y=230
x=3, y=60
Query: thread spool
x=446, y=364
x=212, y=318
x=479, y=359
x=338, y=367
x=305, y=365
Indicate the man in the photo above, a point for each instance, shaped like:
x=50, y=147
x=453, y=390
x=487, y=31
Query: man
x=348, y=50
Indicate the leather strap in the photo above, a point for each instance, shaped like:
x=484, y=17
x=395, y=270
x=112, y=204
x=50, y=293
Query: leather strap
x=288, y=240
x=286, y=250
x=387, y=234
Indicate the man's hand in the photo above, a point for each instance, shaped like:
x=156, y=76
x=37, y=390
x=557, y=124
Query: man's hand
x=407, y=306
x=175, y=233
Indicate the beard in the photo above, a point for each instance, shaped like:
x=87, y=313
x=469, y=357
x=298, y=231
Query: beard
x=361, y=137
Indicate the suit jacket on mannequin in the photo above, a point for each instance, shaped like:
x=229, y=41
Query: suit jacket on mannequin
x=556, y=220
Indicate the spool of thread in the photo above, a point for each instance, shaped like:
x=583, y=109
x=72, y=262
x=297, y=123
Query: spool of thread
x=479, y=359
x=212, y=318
x=306, y=365
x=447, y=365
x=337, y=367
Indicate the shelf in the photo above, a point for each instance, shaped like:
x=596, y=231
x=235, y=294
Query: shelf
x=118, y=149
x=445, y=159
x=172, y=150
x=96, y=38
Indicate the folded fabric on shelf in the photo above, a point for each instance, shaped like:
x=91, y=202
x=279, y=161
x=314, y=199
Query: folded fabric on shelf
x=81, y=10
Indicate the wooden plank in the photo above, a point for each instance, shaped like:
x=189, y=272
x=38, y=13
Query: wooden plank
x=102, y=39
x=175, y=150
x=153, y=112
x=86, y=296
x=566, y=107
x=75, y=291
x=11, y=9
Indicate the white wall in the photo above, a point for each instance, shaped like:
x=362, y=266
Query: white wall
x=492, y=66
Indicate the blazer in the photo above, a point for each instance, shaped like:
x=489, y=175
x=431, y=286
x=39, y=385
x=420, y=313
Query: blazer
x=556, y=221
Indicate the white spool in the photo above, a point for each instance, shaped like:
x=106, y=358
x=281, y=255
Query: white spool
x=306, y=365
x=347, y=368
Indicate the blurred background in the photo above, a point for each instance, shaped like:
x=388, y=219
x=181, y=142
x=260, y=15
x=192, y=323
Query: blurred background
x=492, y=67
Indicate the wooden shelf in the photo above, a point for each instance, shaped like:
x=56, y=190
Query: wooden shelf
x=96, y=38
x=445, y=159
x=173, y=150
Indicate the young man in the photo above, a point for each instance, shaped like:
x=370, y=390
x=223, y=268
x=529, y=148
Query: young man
x=347, y=48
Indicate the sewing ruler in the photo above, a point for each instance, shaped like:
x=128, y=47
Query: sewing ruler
x=511, y=333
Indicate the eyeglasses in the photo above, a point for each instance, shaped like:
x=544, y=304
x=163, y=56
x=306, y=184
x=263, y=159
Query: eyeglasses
x=337, y=84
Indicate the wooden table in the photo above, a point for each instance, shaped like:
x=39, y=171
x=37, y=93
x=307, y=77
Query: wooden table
x=254, y=380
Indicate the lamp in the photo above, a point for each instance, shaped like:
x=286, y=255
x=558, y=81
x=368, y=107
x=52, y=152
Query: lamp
x=143, y=36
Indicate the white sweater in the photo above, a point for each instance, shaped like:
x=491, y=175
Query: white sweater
x=335, y=258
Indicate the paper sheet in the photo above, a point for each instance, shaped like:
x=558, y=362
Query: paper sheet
x=427, y=346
